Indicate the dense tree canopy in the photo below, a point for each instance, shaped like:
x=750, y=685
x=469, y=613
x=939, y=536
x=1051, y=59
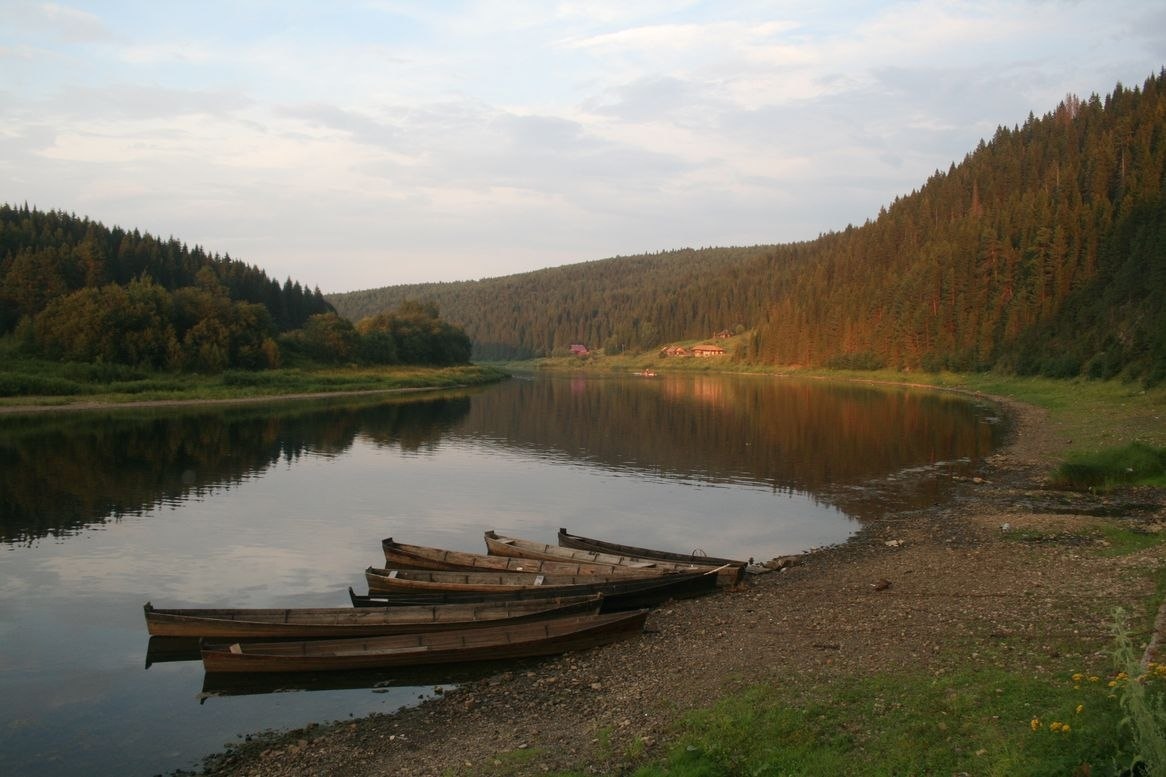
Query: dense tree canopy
x=77, y=291
x=46, y=255
x=1043, y=251
x=412, y=334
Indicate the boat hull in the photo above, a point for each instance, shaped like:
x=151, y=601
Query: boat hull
x=399, y=555
x=575, y=542
x=542, y=638
x=498, y=545
x=618, y=595
x=316, y=623
x=388, y=580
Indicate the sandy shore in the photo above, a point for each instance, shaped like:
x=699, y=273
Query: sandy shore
x=933, y=589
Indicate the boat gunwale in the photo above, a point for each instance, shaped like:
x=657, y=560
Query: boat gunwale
x=577, y=542
x=556, y=637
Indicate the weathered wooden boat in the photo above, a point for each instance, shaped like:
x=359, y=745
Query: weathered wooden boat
x=568, y=540
x=399, y=555
x=497, y=545
x=452, y=580
x=622, y=594
x=519, y=640
x=322, y=622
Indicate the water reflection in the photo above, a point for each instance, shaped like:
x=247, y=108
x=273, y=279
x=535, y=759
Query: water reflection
x=59, y=474
x=285, y=505
x=62, y=473
x=788, y=435
x=216, y=685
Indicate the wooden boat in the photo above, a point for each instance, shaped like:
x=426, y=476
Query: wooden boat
x=568, y=540
x=622, y=594
x=498, y=545
x=519, y=640
x=399, y=555
x=453, y=580
x=315, y=623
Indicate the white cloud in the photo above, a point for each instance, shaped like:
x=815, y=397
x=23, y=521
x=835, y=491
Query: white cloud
x=70, y=24
x=381, y=142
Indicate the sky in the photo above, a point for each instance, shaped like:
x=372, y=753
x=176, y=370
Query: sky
x=357, y=144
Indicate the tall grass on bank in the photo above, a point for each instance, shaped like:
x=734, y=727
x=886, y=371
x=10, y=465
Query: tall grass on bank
x=983, y=721
x=1142, y=694
x=977, y=721
x=1133, y=464
x=30, y=380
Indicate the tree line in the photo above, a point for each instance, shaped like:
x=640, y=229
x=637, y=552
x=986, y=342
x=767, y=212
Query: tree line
x=1042, y=251
x=73, y=290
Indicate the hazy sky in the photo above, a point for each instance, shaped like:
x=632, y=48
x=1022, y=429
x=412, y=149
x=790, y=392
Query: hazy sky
x=359, y=144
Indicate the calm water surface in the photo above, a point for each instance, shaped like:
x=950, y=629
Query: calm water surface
x=285, y=505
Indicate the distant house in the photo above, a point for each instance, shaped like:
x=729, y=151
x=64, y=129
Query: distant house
x=578, y=349
x=724, y=334
x=705, y=350
x=674, y=351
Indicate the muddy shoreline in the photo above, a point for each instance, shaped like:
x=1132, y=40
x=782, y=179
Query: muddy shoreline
x=931, y=589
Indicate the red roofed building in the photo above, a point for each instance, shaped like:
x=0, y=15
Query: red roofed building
x=705, y=350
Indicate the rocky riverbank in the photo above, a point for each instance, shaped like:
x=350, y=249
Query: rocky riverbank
x=932, y=589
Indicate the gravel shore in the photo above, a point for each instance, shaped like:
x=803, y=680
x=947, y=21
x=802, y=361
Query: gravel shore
x=930, y=589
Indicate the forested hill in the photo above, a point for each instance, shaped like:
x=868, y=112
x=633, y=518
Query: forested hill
x=45, y=255
x=1043, y=251
x=623, y=303
x=74, y=290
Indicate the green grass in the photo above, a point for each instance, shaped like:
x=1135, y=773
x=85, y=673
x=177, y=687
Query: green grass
x=26, y=380
x=1108, y=538
x=1133, y=464
x=976, y=722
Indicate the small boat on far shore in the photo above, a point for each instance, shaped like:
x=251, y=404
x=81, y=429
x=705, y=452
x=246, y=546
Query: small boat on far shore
x=521, y=640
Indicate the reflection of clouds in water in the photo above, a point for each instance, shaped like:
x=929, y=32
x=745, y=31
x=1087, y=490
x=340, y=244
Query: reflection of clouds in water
x=724, y=521
x=310, y=528
x=535, y=495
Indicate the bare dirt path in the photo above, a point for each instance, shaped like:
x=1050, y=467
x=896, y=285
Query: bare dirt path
x=933, y=589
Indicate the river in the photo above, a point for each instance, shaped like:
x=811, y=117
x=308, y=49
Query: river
x=285, y=505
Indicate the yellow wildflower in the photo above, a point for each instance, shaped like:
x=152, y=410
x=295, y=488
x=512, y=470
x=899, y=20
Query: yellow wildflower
x=1078, y=677
x=1080, y=708
x=1064, y=728
x=1055, y=725
x=1093, y=678
x=1035, y=724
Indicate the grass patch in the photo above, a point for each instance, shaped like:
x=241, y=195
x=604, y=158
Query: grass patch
x=1132, y=464
x=1110, y=539
x=28, y=380
x=984, y=722
x=1123, y=540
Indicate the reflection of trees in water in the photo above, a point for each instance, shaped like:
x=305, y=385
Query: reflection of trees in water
x=62, y=473
x=59, y=474
x=790, y=435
